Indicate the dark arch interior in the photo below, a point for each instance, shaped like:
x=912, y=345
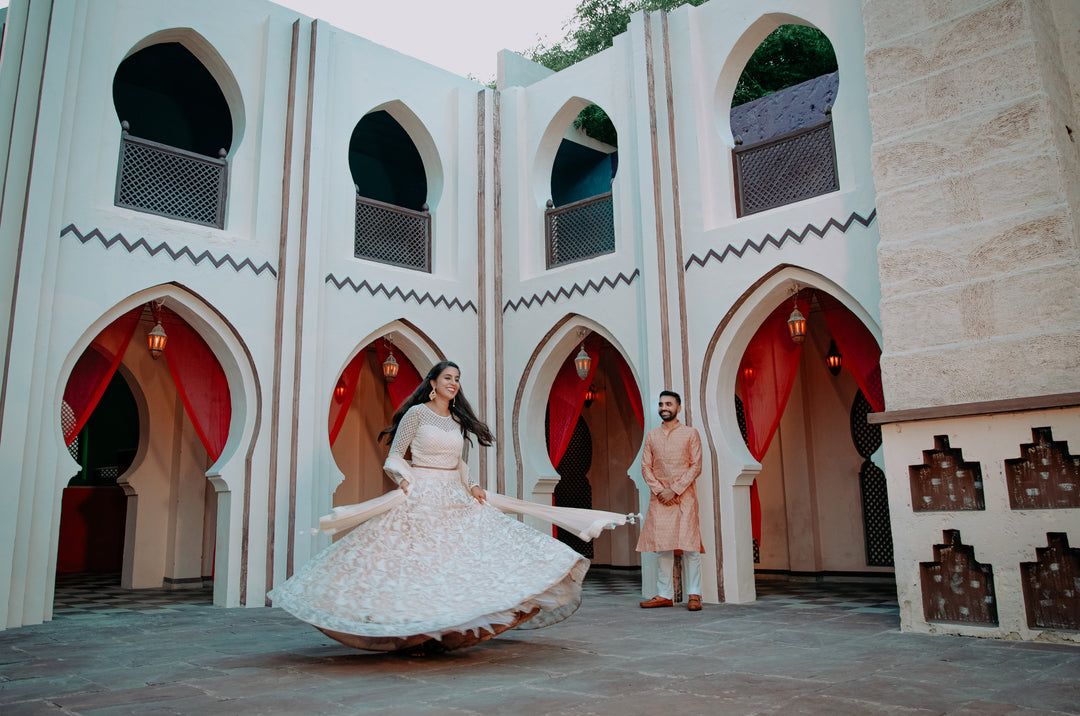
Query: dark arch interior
x=385, y=163
x=580, y=171
x=168, y=96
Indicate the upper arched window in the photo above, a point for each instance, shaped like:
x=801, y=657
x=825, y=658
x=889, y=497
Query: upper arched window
x=781, y=118
x=580, y=221
x=392, y=220
x=177, y=131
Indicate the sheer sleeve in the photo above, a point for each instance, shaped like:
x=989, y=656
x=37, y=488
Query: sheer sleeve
x=410, y=423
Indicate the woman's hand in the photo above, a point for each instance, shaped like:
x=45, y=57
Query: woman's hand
x=405, y=486
x=479, y=493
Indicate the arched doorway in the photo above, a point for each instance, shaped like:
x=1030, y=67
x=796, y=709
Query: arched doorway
x=366, y=395
x=594, y=429
x=183, y=418
x=801, y=397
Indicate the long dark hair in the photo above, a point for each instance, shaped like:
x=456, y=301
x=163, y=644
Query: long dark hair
x=460, y=409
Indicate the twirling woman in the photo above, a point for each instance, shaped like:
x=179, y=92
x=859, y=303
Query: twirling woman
x=440, y=565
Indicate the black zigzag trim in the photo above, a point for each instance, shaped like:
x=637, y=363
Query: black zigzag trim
x=788, y=234
x=395, y=291
x=569, y=292
x=175, y=255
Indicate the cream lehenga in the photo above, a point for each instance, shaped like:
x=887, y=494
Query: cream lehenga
x=435, y=565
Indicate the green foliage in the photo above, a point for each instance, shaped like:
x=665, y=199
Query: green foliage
x=789, y=55
x=592, y=29
x=594, y=122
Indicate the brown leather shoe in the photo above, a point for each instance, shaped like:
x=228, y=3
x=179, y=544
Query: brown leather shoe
x=656, y=601
x=694, y=603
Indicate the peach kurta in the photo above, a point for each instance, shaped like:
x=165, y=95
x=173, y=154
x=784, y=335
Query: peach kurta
x=671, y=458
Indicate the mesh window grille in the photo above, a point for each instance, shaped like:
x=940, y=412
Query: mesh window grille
x=580, y=230
x=877, y=526
x=796, y=166
x=171, y=182
x=392, y=235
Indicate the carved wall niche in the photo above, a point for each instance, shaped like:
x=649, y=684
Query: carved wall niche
x=944, y=482
x=957, y=588
x=1052, y=585
x=1046, y=477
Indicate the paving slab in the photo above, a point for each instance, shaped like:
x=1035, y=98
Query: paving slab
x=809, y=652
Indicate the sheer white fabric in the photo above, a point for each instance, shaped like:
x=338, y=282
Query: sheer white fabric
x=436, y=563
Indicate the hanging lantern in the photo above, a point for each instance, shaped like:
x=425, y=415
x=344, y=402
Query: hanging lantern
x=590, y=396
x=583, y=363
x=390, y=367
x=834, y=360
x=797, y=326
x=156, y=340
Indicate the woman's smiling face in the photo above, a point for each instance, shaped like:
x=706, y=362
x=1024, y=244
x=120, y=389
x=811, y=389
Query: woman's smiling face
x=448, y=383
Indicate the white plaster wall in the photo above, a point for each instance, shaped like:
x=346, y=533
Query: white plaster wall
x=1001, y=537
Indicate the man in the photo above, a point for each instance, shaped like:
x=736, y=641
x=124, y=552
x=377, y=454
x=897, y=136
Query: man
x=670, y=464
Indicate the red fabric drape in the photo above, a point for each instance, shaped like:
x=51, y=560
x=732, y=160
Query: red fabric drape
x=566, y=400
x=95, y=368
x=631, y=388
x=407, y=378
x=861, y=352
x=768, y=369
x=200, y=381
x=339, y=404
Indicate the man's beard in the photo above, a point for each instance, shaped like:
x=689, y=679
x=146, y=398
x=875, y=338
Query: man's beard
x=669, y=418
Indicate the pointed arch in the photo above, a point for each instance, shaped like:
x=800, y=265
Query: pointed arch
x=535, y=473
x=733, y=467
x=422, y=140
x=748, y=42
x=230, y=474
x=207, y=54
x=558, y=128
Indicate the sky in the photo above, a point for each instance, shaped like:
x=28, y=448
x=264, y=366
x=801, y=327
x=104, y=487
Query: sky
x=462, y=36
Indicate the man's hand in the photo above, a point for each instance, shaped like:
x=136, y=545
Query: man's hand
x=667, y=496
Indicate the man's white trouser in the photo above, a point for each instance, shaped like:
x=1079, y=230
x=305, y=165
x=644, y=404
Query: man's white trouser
x=691, y=573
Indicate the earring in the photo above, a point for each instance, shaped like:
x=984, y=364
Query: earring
x=453, y=402
x=431, y=395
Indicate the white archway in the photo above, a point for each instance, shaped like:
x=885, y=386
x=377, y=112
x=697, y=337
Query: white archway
x=733, y=467
x=228, y=474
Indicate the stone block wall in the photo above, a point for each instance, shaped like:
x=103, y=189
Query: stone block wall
x=976, y=178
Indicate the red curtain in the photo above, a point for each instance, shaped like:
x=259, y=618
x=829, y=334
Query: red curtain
x=631, y=387
x=199, y=380
x=768, y=371
x=861, y=352
x=95, y=368
x=344, y=392
x=566, y=400
x=407, y=378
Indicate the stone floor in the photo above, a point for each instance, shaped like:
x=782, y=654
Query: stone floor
x=801, y=648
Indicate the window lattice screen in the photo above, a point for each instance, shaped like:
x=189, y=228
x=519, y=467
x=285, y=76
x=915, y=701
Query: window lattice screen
x=393, y=235
x=580, y=230
x=790, y=168
x=877, y=525
x=170, y=182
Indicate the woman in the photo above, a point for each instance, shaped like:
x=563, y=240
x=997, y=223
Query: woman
x=442, y=565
